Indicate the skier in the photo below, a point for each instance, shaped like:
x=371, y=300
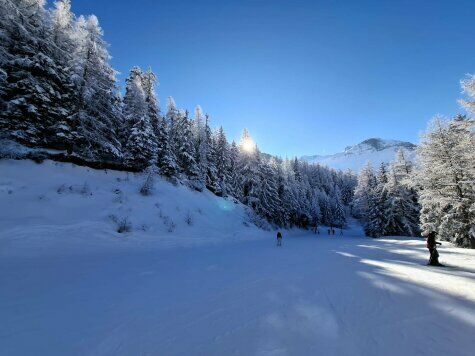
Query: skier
x=432, y=246
x=279, y=238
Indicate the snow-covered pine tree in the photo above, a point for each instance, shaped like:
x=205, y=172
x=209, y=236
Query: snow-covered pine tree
x=222, y=161
x=379, y=204
x=141, y=145
x=326, y=209
x=269, y=201
x=468, y=87
x=402, y=167
x=184, y=149
x=401, y=213
x=446, y=177
x=233, y=173
x=292, y=193
x=62, y=131
x=339, y=214
x=249, y=160
x=172, y=121
x=212, y=182
x=95, y=110
x=149, y=83
x=348, y=182
x=315, y=211
x=364, y=192
x=33, y=81
x=141, y=148
x=134, y=102
x=305, y=198
x=166, y=160
x=205, y=151
x=200, y=143
x=404, y=208
x=284, y=193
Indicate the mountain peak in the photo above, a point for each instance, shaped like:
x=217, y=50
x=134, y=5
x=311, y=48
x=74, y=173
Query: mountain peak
x=379, y=144
x=374, y=150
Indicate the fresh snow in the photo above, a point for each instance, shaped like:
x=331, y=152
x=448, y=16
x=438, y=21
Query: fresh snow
x=373, y=150
x=71, y=285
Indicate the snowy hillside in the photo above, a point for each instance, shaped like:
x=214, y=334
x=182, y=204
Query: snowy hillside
x=87, y=206
x=374, y=150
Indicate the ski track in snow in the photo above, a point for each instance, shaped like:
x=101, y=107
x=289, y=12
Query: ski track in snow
x=70, y=285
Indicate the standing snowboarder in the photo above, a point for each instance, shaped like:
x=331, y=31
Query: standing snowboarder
x=279, y=238
x=432, y=246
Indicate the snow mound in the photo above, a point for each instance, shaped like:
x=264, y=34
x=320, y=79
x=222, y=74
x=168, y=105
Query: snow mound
x=54, y=205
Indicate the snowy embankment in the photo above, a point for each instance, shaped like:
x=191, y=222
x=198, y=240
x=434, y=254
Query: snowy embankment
x=71, y=285
x=60, y=205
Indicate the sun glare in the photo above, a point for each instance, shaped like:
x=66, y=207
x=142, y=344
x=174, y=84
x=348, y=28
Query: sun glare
x=248, y=145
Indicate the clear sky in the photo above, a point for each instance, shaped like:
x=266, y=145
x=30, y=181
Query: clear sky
x=305, y=77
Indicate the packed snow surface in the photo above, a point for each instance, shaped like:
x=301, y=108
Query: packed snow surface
x=71, y=285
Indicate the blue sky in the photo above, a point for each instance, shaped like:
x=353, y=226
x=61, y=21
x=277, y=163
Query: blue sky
x=304, y=77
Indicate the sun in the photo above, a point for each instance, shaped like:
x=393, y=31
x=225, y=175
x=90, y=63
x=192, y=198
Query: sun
x=248, y=145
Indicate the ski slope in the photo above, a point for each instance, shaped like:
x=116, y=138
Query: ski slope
x=71, y=285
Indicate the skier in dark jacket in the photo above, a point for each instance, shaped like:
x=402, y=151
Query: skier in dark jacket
x=279, y=238
x=432, y=246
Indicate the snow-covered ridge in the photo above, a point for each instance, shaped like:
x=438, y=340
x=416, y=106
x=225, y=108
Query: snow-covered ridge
x=378, y=144
x=374, y=150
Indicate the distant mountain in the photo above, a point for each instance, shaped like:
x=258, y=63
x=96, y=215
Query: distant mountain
x=374, y=150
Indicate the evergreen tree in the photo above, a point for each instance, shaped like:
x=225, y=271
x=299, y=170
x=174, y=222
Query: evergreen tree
x=62, y=130
x=184, y=149
x=141, y=148
x=172, y=119
x=378, y=203
x=339, y=214
x=401, y=212
x=166, y=160
x=326, y=209
x=95, y=111
x=33, y=82
x=201, y=144
x=364, y=192
x=249, y=160
x=223, y=162
x=134, y=102
x=269, y=202
x=141, y=144
x=315, y=211
x=404, y=198
x=446, y=177
x=233, y=172
x=212, y=182
x=149, y=83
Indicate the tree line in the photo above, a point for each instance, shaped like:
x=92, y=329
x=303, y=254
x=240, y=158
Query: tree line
x=58, y=90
